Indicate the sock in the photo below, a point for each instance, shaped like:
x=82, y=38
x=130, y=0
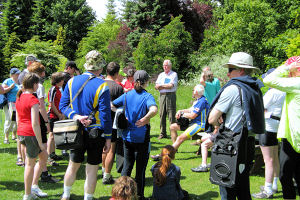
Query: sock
x=34, y=186
x=106, y=175
x=268, y=188
x=25, y=197
x=103, y=170
x=275, y=181
x=88, y=196
x=67, y=191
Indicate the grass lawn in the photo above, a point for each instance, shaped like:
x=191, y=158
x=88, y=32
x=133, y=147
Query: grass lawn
x=197, y=184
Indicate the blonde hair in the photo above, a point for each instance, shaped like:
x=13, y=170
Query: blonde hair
x=167, y=155
x=125, y=188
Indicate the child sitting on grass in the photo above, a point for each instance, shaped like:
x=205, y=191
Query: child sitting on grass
x=166, y=177
x=124, y=189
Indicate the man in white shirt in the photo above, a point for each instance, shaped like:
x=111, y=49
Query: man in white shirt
x=166, y=83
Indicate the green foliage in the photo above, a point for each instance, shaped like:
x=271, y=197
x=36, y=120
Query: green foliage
x=111, y=7
x=60, y=40
x=246, y=28
x=276, y=47
x=43, y=50
x=98, y=39
x=172, y=43
x=11, y=46
x=293, y=49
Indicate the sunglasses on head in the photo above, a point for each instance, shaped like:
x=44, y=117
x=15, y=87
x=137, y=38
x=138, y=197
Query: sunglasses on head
x=231, y=69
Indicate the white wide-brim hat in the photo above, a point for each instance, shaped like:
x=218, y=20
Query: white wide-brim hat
x=241, y=60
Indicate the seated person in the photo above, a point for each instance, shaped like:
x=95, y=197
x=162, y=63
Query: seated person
x=124, y=189
x=166, y=177
x=197, y=113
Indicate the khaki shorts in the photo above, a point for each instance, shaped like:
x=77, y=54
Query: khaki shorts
x=32, y=145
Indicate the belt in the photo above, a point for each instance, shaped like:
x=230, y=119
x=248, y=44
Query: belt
x=275, y=117
x=166, y=93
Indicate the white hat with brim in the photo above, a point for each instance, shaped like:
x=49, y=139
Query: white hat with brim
x=241, y=60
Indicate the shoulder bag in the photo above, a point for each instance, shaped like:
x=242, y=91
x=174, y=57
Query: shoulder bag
x=68, y=134
x=229, y=155
x=3, y=101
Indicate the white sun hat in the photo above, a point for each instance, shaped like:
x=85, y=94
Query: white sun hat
x=241, y=60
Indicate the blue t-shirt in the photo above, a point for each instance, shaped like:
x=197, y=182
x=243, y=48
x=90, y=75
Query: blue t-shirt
x=12, y=94
x=211, y=89
x=200, y=107
x=137, y=106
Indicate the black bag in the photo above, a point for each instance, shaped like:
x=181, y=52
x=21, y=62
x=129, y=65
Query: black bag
x=121, y=120
x=3, y=101
x=68, y=134
x=229, y=155
x=183, y=122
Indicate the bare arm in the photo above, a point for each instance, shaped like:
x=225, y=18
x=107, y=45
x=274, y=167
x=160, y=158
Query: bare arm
x=165, y=86
x=1, y=90
x=215, y=117
x=55, y=110
x=35, y=122
x=146, y=119
x=7, y=88
x=202, y=80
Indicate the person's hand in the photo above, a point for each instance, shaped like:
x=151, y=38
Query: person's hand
x=12, y=86
x=220, y=120
x=107, y=146
x=83, y=119
x=142, y=122
x=294, y=70
x=61, y=116
x=157, y=87
x=178, y=114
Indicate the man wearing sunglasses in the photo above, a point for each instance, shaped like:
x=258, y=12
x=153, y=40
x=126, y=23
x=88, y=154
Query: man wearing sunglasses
x=237, y=110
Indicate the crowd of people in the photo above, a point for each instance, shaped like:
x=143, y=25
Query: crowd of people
x=238, y=108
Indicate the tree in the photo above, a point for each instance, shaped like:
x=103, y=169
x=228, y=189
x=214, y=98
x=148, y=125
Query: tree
x=172, y=43
x=43, y=50
x=11, y=47
x=98, y=38
x=111, y=7
x=293, y=49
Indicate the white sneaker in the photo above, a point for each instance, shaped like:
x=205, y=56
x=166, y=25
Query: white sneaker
x=30, y=197
x=38, y=192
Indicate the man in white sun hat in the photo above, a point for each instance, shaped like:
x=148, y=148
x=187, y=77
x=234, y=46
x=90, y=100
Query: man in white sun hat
x=226, y=109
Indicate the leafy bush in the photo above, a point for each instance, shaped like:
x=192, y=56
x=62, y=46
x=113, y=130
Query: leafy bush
x=44, y=51
x=293, y=49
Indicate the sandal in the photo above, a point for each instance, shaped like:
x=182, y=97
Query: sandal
x=156, y=157
x=20, y=162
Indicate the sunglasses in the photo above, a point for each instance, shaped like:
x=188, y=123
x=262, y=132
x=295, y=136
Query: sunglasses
x=231, y=69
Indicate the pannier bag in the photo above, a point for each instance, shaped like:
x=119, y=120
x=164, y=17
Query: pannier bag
x=68, y=134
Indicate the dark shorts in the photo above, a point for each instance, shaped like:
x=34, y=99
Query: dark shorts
x=114, y=135
x=52, y=123
x=184, y=127
x=43, y=129
x=32, y=145
x=93, y=147
x=268, y=139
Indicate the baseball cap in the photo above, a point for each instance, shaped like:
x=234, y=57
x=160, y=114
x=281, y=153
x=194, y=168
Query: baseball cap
x=141, y=75
x=30, y=58
x=15, y=71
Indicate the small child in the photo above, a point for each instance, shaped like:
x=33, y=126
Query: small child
x=166, y=177
x=124, y=189
x=54, y=95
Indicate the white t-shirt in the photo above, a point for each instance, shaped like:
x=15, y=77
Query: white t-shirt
x=41, y=92
x=273, y=101
x=164, y=78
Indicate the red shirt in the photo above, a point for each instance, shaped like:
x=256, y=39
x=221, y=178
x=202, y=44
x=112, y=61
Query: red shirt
x=23, y=106
x=128, y=85
x=54, y=96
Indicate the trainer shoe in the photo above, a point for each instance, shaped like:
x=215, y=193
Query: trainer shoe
x=64, y=153
x=30, y=197
x=200, y=169
x=38, y=192
x=155, y=157
x=49, y=179
x=52, y=162
x=162, y=136
x=262, y=188
x=262, y=195
x=108, y=181
x=55, y=157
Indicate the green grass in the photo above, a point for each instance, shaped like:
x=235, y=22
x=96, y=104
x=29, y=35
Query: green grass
x=197, y=184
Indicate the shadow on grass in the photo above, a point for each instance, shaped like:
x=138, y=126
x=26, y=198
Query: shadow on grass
x=11, y=185
x=188, y=158
x=207, y=196
x=10, y=150
x=104, y=198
